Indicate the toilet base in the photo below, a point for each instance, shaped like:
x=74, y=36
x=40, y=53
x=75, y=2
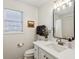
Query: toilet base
x=29, y=57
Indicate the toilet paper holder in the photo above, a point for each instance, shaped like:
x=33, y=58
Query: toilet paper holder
x=20, y=44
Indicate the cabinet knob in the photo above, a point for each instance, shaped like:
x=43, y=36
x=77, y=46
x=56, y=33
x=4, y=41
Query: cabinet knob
x=46, y=57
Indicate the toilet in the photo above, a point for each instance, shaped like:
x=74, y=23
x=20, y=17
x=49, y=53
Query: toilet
x=29, y=54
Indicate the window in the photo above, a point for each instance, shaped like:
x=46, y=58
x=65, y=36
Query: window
x=13, y=21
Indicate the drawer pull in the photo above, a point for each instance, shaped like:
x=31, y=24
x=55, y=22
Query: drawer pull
x=46, y=57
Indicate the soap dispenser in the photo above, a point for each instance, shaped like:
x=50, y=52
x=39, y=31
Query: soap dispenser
x=69, y=43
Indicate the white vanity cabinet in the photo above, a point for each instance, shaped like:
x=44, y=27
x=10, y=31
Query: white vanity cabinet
x=41, y=54
x=49, y=50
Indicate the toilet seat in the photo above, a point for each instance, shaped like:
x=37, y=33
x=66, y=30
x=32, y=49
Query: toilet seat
x=29, y=53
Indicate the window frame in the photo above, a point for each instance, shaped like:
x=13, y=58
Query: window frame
x=21, y=21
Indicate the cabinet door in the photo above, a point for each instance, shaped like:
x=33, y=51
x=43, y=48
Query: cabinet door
x=42, y=54
x=36, y=54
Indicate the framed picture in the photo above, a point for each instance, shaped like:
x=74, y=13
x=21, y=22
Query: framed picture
x=31, y=24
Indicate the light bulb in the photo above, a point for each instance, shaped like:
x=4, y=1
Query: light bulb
x=64, y=6
x=70, y=4
x=68, y=0
x=58, y=9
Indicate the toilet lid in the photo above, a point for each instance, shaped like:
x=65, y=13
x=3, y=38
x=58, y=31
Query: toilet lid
x=28, y=52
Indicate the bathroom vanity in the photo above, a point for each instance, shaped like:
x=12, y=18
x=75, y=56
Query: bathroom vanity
x=40, y=53
x=51, y=50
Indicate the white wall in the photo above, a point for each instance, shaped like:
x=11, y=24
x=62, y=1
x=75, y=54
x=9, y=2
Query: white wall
x=11, y=51
x=45, y=17
x=45, y=13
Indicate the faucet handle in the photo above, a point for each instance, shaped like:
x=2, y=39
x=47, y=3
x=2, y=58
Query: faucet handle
x=60, y=42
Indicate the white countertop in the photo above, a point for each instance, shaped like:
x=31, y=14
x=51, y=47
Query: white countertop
x=66, y=54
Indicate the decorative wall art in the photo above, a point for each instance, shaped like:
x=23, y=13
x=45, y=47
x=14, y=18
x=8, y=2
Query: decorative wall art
x=31, y=24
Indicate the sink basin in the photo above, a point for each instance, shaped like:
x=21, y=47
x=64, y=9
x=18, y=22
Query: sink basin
x=56, y=47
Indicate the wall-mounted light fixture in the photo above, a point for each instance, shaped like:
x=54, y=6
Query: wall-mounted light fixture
x=63, y=4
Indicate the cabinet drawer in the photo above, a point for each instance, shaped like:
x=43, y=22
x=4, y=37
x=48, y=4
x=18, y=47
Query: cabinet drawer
x=48, y=56
x=44, y=55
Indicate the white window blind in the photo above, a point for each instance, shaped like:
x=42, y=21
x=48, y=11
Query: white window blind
x=13, y=21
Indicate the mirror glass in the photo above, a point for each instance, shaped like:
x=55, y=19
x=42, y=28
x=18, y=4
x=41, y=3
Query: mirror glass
x=63, y=19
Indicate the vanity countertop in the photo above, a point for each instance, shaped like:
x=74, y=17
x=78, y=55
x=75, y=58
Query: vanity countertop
x=66, y=54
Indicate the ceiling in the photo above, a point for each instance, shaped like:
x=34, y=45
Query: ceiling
x=36, y=3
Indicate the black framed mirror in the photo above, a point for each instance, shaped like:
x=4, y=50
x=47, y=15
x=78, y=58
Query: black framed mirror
x=64, y=21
